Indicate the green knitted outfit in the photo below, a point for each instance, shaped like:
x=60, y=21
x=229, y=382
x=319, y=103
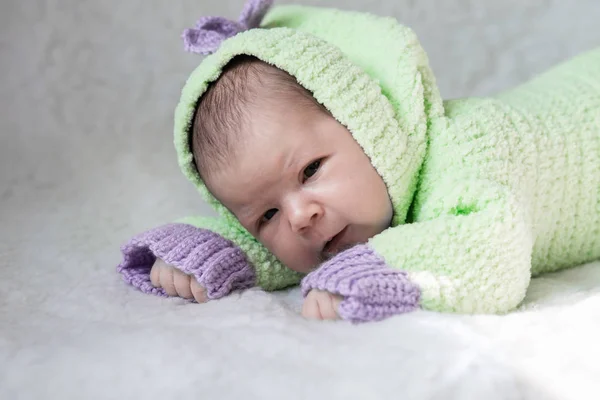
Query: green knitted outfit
x=486, y=191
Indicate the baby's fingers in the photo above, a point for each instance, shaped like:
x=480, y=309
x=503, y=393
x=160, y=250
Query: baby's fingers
x=310, y=309
x=198, y=292
x=182, y=284
x=328, y=306
x=176, y=283
x=336, y=303
x=166, y=279
x=155, y=274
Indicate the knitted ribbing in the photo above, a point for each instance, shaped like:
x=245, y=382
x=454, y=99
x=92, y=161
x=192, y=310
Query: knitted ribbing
x=371, y=289
x=215, y=262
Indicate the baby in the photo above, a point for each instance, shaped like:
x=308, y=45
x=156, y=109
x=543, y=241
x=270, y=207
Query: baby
x=290, y=172
x=321, y=140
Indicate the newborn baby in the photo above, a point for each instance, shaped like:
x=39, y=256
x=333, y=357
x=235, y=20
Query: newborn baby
x=290, y=172
x=321, y=140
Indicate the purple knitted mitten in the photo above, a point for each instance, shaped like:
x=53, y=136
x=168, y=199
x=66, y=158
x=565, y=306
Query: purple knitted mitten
x=371, y=289
x=217, y=264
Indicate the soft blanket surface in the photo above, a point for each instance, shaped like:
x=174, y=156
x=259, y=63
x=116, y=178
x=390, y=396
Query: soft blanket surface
x=86, y=160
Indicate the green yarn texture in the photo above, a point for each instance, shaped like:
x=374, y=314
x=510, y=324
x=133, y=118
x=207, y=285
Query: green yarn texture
x=486, y=191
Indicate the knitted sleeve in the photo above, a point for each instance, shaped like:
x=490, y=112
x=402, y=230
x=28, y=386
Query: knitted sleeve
x=371, y=290
x=214, y=262
x=471, y=253
x=270, y=273
x=221, y=257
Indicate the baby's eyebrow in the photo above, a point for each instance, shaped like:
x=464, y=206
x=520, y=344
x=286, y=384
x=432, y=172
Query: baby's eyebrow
x=284, y=162
x=289, y=160
x=247, y=214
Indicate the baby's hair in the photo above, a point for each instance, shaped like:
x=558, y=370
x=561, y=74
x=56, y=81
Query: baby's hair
x=224, y=108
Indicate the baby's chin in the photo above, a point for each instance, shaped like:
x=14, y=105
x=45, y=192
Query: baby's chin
x=319, y=259
x=356, y=238
x=313, y=261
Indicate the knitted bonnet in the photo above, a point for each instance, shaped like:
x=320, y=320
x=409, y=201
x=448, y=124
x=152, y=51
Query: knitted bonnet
x=369, y=72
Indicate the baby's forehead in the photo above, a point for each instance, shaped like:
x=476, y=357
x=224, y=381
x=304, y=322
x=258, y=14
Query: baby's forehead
x=261, y=160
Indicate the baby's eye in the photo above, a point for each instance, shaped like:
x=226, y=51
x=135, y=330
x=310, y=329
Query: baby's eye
x=312, y=169
x=269, y=214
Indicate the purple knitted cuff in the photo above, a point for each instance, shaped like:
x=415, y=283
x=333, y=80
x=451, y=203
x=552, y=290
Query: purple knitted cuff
x=217, y=264
x=371, y=289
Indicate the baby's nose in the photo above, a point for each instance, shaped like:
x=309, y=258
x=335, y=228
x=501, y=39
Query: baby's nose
x=305, y=216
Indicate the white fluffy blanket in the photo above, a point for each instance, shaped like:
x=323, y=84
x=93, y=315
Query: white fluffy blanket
x=86, y=160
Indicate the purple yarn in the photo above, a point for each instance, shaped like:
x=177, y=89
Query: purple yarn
x=371, y=289
x=210, y=32
x=215, y=262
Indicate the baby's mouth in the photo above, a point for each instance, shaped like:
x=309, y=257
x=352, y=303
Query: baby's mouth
x=333, y=246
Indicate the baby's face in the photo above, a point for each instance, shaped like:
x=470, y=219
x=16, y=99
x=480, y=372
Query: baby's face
x=302, y=186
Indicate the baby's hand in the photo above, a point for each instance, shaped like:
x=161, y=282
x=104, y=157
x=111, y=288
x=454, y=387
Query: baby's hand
x=175, y=282
x=319, y=304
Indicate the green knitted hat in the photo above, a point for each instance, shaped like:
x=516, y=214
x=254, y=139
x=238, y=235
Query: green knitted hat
x=369, y=72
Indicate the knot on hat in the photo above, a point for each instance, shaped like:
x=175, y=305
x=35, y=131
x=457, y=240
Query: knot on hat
x=209, y=32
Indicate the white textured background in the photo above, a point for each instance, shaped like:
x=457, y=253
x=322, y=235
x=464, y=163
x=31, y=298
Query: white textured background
x=87, y=91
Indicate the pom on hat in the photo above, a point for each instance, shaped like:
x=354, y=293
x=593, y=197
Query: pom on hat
x=209, y=32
